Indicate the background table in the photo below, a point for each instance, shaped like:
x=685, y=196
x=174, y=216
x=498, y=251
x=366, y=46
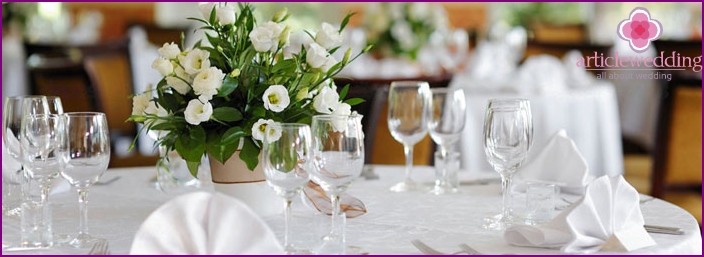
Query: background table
x=589, y=115
x=117, y=210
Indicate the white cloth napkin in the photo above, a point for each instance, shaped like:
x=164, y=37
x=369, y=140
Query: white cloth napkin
x=11, y=167
x=204, y=223
x=541, y=74
x=607, y=218
x=577, y=77
x=560, y=163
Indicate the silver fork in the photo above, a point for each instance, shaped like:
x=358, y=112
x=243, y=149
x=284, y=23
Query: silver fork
x=426, y=249
x=468, y=249
x=99, y=248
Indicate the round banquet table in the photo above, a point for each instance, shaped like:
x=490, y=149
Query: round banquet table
x=589, y=115
x=117, y=210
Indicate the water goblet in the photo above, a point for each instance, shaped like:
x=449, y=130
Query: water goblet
x=409, y=105
x=507, y=139
x=286, y=161
x=85, y=154
x=338, y=159
x=446, y=123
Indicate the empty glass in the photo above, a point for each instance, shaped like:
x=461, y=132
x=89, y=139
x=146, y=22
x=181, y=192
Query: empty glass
x=286, y=161
x=447, y=121
x=338, y=158
x=507, y=138
x=409, y=106
x=85, y=154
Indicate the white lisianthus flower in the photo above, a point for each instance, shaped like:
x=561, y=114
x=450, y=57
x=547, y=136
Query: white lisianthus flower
x=195, y=61
x=207, y=83
x=326, y=100
x=296, y=42
x=139, y=104
x=273, y=132
x=316, y=56
x=169, y=51
x=206, y=8
x=178, y=84
x=418, y=11
x=341, y=109
x=154, y=109
x=266, y=37
x=163, y=66
x=329, y=62
x=225, y=14
x=197, y=112
x=276, y=98
x=264, y=126
x=179, y=72
x=328, y=37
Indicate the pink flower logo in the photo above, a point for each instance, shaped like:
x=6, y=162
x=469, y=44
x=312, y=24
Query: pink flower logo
x=639, y=29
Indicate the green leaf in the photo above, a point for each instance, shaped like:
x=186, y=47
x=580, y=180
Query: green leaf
x=250, y=153
x=193, y=167
x=258, y=112
x=228, y=86
x=354, y=101
x=344, y=90
x=227, y=114
x=346, y=20
x=232, y=135
x=191, y=147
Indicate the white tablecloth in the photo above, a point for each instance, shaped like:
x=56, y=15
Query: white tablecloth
x=589, y=115
x=393, y=219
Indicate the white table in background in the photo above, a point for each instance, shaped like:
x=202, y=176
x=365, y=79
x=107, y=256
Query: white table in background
x=117, y=210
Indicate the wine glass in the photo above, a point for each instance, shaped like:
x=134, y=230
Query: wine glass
x=409, y=105
x=85, y=154
x=338, y=159
x=39, y=139
x=447, y=121
x=286, y=161
x=507, y=139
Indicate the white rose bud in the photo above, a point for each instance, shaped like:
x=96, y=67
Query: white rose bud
x=169, y=51
x=326, y=100
x=276, y=98
x=280, y=15
x=266, y=37
x=195, y=61
x=139, y=104
x=197, y=112
x=316, y=56
x=225, y=14
x=328, y=37
x=164, y=66
x=207, y=83
x=178, y=84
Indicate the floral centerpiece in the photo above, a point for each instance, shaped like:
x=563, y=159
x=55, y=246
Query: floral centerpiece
x=401, y=29
x=219, y=96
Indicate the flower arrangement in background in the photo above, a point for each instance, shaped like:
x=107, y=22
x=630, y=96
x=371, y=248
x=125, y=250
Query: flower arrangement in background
x=401, y=29
x=220, y=96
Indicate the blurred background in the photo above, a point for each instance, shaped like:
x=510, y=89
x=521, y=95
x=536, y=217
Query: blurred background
x=95, y=55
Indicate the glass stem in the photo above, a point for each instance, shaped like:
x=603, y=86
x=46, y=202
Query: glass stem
x=506, y=196
x=45, y=189
x=445, y=162
x=335, y=231
x=83, y=208
x=408, y=150
x=287, y=222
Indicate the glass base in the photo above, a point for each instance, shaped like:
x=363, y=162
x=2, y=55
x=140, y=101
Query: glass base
x=332, y=244
x=83, y=241
x=408, y=186
x=498, y=222
x=441, y=190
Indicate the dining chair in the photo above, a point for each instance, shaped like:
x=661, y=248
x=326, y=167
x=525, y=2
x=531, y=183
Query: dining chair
x=677, y=162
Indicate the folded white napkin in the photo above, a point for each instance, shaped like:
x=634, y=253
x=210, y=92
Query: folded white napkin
x=560, y=163
x=11, y=174
x=540, y=74
x=607, y=218
x=204, y=223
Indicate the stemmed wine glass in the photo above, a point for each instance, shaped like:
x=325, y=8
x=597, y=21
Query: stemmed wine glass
x=447, y=121
x=409, y=105
x=508, y=134
x=338, y=159
x=286, y=161
x=85, y=154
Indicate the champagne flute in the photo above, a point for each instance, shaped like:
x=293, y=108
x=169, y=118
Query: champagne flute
x=286, y=161
x=85, y=154
x=447, y=121
x=409, y=105
x=507, y=138
x=338, y=159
